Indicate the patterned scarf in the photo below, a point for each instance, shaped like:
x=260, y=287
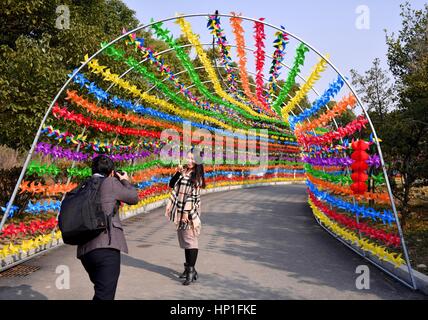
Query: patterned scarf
x=185, y=198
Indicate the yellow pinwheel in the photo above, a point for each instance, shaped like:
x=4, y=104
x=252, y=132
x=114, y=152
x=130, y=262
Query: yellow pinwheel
x=27, y=245
x=4, y=252
x=58, y=235
x=13, y=249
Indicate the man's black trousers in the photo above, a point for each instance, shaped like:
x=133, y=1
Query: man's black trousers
x=103, y=267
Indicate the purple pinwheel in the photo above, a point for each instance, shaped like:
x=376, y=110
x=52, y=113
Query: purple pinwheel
x=56, y=152
x=42, y=147
x=374, y=161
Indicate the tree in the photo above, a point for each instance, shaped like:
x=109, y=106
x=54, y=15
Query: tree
x=35, y=56
x=407, y=127
x=375, y=90
x=404, y=127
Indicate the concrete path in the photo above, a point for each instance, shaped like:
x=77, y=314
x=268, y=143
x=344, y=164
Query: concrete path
x=257, y=243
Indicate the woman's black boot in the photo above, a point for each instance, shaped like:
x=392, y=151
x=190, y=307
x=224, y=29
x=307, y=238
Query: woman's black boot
x=191, y=276
x=184, y=274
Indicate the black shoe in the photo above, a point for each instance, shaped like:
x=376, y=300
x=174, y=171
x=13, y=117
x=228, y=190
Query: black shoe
x=184, y=274
x=191, y=276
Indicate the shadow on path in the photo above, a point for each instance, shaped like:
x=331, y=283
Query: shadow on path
x=22, y=292
x=138, y=263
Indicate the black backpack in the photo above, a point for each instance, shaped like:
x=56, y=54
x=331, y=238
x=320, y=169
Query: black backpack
x=81, y=217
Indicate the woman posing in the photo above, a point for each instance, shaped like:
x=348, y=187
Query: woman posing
x=184, y=209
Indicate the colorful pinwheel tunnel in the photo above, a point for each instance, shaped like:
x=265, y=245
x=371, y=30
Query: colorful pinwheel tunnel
x=240, y=84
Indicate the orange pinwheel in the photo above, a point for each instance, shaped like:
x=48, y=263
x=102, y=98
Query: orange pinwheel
x=341, y=190
x=326, y=117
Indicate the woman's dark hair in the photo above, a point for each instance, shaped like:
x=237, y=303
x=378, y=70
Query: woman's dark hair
x=198, y=175
x=102, y=165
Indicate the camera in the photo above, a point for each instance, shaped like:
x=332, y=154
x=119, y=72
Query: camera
x=118, y=172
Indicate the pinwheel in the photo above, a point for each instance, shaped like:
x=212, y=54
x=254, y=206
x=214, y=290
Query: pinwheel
x=27, y=245
x=339, y=108
x=298, y=62
x=153, y=190
x=39, y=207
x=352, y=127
x=260, y=36
x=34, y=226
x=374, y=161
x=36, y=243
x=238, y=32
x=378, y=197
x=33, y=208
x=231, y=102
x=333, y=89
x=280, y=42
x=396, y=259
x=45, y=239
x=79, y=79
x=386, y=216
x=320, y=67
x=215, y=29
x=378, y=179
x=36, y=188
x=80, y=173
x=57, y=235
x=9, y=231
x=95, y=145
x=13, y=209
x=156, y=101
x=99, y=125
x=4, y=252
x=8, y=250
x=388, y=239
x=364, y=244
x=143, y=110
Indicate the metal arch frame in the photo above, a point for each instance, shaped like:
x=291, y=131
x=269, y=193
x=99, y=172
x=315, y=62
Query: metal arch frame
x=356, y=250
x=350, y=87
x=141, y=27
x=362, y=253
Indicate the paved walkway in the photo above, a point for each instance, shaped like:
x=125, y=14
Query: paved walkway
x=257, y=243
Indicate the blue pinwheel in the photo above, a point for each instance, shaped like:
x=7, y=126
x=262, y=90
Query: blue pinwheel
x=13, y=209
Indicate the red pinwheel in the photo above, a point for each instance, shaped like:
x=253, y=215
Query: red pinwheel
x=9, y=231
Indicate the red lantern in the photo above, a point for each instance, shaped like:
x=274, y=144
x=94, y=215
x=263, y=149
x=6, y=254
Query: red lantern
x=359, y=155
x=359, y=166
x=359, y=176
x=359, y=187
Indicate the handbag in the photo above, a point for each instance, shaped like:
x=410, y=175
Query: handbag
x=174, y=179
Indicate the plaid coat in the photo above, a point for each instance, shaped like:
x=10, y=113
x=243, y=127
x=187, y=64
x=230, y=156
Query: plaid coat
x=185, y=198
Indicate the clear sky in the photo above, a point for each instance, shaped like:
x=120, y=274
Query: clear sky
x=328, y=25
